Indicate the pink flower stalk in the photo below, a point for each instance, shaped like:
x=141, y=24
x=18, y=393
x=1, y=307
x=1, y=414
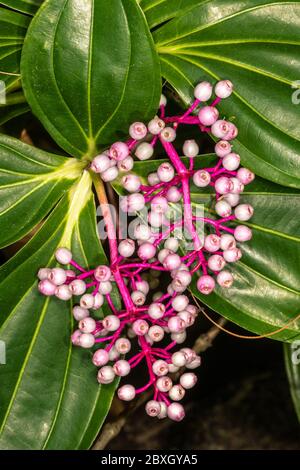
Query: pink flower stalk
x=150, y=321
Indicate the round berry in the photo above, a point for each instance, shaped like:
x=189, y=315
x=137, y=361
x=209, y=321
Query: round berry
x=190, y=148
x=224, y=88
x=119, y=151
x=206, y=284
x=138, y=130
x=203, y=91
x=144, y=151
x=63, y=255
x=208, y=115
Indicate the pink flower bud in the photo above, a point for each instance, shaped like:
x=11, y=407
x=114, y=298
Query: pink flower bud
x=75, y=337
x=100, y=163
x=160, y=368
x=77, y=287
x=63, y=292
x=144, y=151
x=242, y=233
x=156, y=125
x=156, y=333
x=46, y=287
x=220, y=128
x=126, y=393
x=43, y=273
x=224, y=88
x=231, y=161
x=212, y=243
x=159, y=205
x=119, y=151
x=203, y=91
x=176, y=412
x=208, y=115
x=244, y=212
x=205, y=284
x=100, y=358
x=87, y=301
x=131, y=183
x=227, y=241
x=168, y=134
x=126, y=164
x=173, y=194
x=140, y=327
x=102, y=273
x=121, y=368
x=223, y=148
x=201, y=178
x=146, y=251
x=156, y=310
x=87, y=325
x=165, y=172
x=180, y=302
x=188, y=380
x=225, y=279
x=190, y=148
x=223, y=185
x=80, y=313
x=216, y=262
x=138, y=131
x=152, y=408
x=123, y=345
x=106, y=375
x=63, y=255
x=222, y=208
x=164, y=384
x=111, y=322
x=126, y=248
x=138, y=298
x=231, y=256
x=245, y=176
x=177, y=392
x=86, y=340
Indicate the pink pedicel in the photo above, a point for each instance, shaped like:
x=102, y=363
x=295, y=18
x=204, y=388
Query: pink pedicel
x=137, y=262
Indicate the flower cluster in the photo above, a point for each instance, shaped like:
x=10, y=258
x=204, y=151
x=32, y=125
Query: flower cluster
x=154, y=250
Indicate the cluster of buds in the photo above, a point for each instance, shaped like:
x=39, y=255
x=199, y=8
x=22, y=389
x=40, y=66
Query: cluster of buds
x=146, y=316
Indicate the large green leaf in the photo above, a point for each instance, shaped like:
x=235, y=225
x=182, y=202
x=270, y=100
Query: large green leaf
x=265, y=294
x=292, y=365
x=254, y=43
x=89, y=69
x=31, y=183
x=49, y=395
x=25, y=6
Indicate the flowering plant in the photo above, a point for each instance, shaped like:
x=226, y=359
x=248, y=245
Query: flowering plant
x=200, y=227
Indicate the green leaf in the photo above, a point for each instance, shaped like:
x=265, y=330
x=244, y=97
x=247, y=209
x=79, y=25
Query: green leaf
x=254, y=43
x=31, y=183
x=25, y=6
x=10, y=112
x=159, y=11
x=51, y=398
x=292, y=365
x=89, y=69
x=265, y=294
x=13, y=28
